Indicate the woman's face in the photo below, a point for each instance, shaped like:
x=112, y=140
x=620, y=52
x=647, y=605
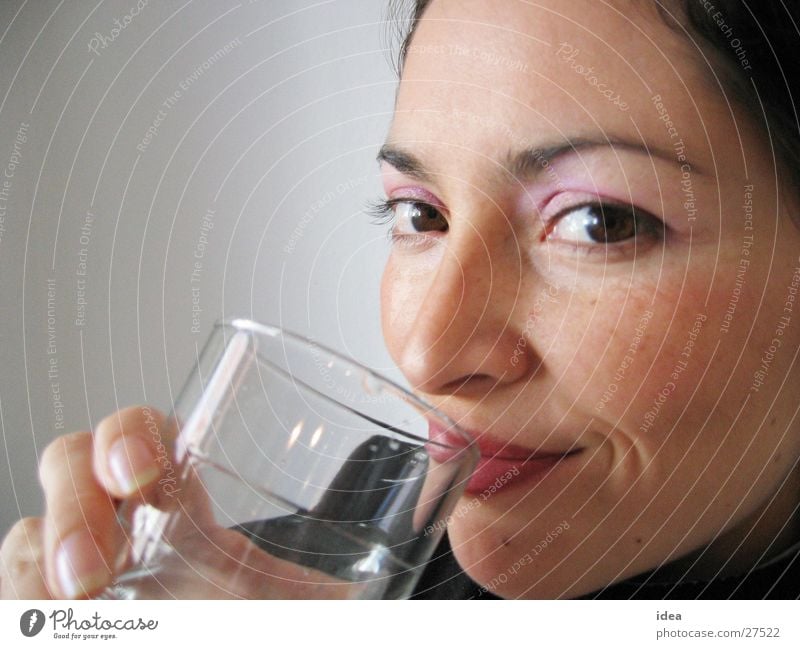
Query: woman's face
x=615, y=320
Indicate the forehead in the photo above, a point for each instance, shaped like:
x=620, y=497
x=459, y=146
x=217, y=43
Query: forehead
x=494, y=73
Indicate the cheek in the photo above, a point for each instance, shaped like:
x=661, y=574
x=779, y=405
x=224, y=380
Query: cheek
x=660, y=374
x=631, y=355
x=602, y=340
x=637, y=354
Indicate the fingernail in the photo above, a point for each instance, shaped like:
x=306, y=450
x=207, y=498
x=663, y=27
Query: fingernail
x=80, y=568
x=132, y=464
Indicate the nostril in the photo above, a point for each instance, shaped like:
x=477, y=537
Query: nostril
x=465, y=381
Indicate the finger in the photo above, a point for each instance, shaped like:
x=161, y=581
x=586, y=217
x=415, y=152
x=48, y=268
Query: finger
x=238, y=566
x=22, y=570
x=219, y=563
x=134, y=456
x=131, y=450
x=134, y=459
x=81, y=534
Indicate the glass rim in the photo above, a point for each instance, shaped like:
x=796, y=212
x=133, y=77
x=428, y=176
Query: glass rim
x=272, y=330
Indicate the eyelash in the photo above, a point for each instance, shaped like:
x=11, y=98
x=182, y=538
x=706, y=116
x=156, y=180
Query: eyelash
x=382, y=212
x=644, y=224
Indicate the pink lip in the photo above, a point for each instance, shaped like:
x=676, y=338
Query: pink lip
x=492, y=475
x=500, y=464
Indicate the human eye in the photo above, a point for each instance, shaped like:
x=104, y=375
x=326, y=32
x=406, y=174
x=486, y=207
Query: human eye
x=409, y=219
x=605, y=227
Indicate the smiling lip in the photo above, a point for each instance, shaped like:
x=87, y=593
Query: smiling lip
x=494, y=474
x=500, y=464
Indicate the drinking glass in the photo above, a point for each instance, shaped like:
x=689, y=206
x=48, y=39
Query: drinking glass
x=290, y=471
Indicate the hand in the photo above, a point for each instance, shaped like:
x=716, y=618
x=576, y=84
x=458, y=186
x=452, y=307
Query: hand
x=79, y=547
x=74, y=549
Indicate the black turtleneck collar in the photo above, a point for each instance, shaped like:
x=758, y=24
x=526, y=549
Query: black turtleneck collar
x=778, y=578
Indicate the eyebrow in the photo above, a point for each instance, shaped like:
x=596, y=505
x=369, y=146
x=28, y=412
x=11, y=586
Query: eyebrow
x=532, y=162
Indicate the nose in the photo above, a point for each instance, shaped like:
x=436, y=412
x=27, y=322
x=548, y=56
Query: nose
x=466, y=336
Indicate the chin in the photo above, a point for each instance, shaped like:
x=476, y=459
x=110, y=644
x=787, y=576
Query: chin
x=515, y=567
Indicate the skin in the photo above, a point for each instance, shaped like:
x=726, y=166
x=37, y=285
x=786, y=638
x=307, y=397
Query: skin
x=515, y=325
x=511, y=266
x=82, y=487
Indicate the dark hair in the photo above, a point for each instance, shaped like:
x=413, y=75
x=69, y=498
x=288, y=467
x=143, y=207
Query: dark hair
x=755, y=45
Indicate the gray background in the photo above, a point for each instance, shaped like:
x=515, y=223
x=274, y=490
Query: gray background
x=277, y=135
